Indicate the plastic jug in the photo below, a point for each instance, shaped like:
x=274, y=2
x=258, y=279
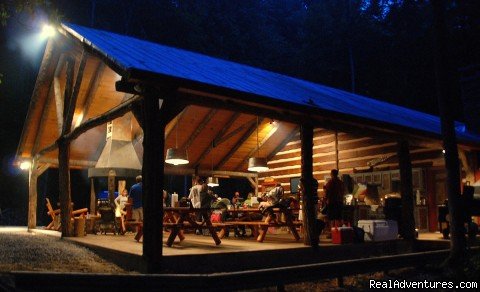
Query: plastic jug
x=174, y=199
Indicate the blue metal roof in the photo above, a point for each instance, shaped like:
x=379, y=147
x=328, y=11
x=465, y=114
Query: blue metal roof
x=130, y=53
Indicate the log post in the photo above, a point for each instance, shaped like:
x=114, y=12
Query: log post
x=72, y=88
x=32, y=196
x=309, y=187
x=34, y=173
x=407, y=227
x=154, y=123
x=93, y=197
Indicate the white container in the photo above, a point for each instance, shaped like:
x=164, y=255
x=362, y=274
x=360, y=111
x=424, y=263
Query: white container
x=174, y=200
x=379, y=230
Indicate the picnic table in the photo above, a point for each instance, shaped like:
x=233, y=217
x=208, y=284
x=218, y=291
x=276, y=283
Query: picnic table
x=178, y=219
x=273, y=217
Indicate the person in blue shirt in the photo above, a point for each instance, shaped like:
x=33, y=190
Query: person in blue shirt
x=136, y=193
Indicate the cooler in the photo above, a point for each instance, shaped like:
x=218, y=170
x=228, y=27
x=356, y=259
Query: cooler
x=379, y=230
x=342, y=235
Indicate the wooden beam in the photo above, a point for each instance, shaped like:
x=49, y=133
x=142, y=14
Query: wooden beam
x=73, y=162
x=234, y=132
x=257, y=147
x=175, y=121
x=283, y=143
x=32, y=196
x=299, y=114
x=407, y=226
x=72, y=100
x=238, y=144
x=212, y=144
x=42, y=123
x=467, y=166
x=178, y=170
x=309, y=187
x=64, y=187
x=254, y=184
x=92, y=90
x=58, y=93
x=110, y=115
x=199, y=129
x=153, y=176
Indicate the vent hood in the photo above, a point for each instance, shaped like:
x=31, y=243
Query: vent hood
x=118, y=155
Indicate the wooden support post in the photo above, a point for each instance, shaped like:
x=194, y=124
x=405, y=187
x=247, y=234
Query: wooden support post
x=34, y=173
x=93, y=197
x=407, y=227
x=72, y=88
x=309, y=187
x=154, y=122
x=32, y=196
x=64, y=187
x=111, y=185
x=64, y=157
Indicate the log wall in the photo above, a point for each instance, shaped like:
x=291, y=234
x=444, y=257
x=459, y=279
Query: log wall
x=355, y=153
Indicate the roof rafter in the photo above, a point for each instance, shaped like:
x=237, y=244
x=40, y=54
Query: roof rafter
x=239, y=143
x=92, y=89
x=260, y=144
x=199, y=128
x=212, y=143
x=285, y=141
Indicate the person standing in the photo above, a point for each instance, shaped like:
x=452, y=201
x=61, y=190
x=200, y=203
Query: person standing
x=120, y=203
x=334, y=191
x=196, y=200
x=136, y=193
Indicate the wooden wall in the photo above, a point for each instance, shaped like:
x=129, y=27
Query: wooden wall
x=355, y=153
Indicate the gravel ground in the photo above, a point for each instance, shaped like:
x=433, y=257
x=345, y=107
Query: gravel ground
x=24, y=251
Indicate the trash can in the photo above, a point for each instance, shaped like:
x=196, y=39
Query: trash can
x=79, y=226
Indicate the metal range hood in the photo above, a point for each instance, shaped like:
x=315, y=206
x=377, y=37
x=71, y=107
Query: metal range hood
x=118, y=156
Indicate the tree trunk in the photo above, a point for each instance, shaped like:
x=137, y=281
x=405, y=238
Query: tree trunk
x=309, y=188
x=446, y=98
x=407, y=228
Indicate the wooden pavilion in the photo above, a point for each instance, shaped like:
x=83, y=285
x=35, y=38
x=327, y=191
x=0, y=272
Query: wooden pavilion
x=222, y=113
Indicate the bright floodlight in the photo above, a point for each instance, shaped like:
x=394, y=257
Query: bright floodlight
x=25, y=165
x=48, y=31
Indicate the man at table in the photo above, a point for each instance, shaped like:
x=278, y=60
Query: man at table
x=272, y=197
x=237, y=199
x=136, y=193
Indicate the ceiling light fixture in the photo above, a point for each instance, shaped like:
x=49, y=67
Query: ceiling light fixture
x=176, y=156
x=257, y=164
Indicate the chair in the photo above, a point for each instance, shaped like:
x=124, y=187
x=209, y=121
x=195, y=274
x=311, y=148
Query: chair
x=55, y=215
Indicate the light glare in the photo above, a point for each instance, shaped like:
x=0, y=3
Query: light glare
x=25, y=165
x=48, y=31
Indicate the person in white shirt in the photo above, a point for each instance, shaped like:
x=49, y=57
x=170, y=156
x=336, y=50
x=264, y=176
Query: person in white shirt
x=120, y=203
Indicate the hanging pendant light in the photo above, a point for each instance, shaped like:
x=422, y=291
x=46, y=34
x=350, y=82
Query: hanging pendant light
x=257, y=164
x=212, y=181
x=176, y=156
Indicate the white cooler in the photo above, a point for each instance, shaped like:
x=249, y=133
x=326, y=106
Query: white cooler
x=379, y=230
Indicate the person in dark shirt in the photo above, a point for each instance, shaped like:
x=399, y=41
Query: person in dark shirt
x=136, y=193
x=334, y=191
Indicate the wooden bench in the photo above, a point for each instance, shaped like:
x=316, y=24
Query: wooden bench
x=55, y=215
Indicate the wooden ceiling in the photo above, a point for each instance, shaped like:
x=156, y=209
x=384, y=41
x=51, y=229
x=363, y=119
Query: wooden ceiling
x=217, y=139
